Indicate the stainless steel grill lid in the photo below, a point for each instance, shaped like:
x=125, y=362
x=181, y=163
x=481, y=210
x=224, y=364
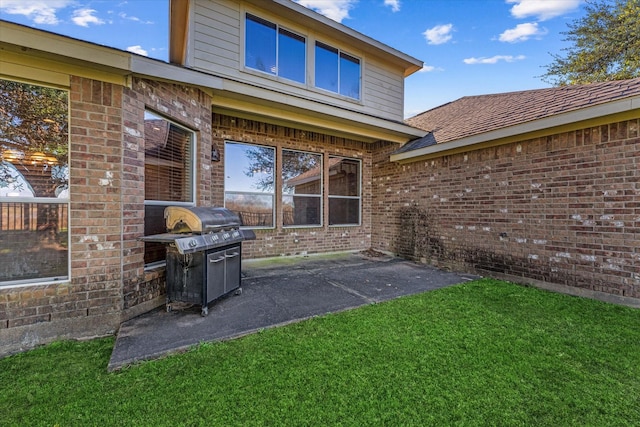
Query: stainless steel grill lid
x=204, y=252
x=179, y=219
x=194, y=229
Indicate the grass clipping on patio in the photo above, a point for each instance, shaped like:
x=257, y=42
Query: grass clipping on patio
x=481, y=353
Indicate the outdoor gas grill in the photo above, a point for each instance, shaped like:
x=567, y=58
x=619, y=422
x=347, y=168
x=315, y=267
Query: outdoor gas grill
x=204, y=252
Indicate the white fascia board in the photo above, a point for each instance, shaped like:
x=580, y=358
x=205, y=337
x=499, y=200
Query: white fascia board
x=614, y=107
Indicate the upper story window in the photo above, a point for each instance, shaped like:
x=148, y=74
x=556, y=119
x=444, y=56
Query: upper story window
x=168, y=175
x=34, y=183
x=337, y=71
x=274, y=50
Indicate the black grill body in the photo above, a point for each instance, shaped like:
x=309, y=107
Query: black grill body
x=204, y=254
x=203, y=276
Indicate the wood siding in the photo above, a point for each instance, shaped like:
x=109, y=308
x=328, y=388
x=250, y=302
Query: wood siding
x=216, y=47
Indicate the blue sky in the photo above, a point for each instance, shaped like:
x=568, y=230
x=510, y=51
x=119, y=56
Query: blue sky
x=469, y=47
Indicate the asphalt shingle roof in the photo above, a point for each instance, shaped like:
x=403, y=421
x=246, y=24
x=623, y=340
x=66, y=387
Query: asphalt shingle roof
x=472, y=115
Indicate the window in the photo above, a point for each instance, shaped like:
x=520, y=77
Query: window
x=301, y=188
x=168, y=176
x=250, y=183
x=274, y=50
x=337, y=71
x=34, y=183
x=344, y=191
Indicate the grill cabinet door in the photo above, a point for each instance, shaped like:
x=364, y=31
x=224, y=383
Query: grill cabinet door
x=232, y=273
x=215, y=275
x=184, y=276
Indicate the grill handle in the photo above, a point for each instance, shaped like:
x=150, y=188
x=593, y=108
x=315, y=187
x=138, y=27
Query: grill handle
x=233, y=255
x=216, y=227
x=214, y=261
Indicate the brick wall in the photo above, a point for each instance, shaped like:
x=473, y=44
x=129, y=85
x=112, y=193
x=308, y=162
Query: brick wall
x=90, y=303
x=108, y=282
x=563, y=209
x=295, y=241
x=188, y=107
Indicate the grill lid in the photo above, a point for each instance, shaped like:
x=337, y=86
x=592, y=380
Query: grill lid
x=180, y=219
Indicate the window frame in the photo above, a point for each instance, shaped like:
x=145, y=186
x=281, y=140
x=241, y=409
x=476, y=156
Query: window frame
x=319, y=196
x=279, y=31
x=254, y=193
x=191, y=182
x=340, y=56
x=61, y=202
x=337, y=197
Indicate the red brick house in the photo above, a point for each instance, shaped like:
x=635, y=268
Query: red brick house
x=519, y=185
x=114, y=137
x=538, y=187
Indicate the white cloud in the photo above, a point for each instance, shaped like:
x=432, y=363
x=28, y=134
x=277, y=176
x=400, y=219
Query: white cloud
x=40, y=11
x=394, y=4
x=522, y=32
x=337, y=10
x=494, y=59
x=439, y=34
x=84, y=17
x=133, y=18
x=427, y=69
x=137, y=49
x=542, y=9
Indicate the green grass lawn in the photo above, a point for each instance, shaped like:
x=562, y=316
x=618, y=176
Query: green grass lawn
x=481, y=353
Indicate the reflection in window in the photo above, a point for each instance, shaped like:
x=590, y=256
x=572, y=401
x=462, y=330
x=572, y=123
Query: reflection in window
x=301, y=189
x=344, y=191
x=168, y=176
x=34, y=183
x=349, y=76
x=337, y=71
x=250, y=183
x=274, y=50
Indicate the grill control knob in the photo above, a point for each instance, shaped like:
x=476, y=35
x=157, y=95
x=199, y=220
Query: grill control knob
x=193, y=243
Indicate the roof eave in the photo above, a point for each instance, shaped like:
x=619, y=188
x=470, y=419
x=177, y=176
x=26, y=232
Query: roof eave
x=43, y=44
x=56, y=44
x=536, y=128
x=143, y=66
x=178, y=30
x=316, y=118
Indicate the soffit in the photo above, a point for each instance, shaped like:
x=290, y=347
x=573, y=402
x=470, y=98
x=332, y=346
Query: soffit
x=308, y=115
